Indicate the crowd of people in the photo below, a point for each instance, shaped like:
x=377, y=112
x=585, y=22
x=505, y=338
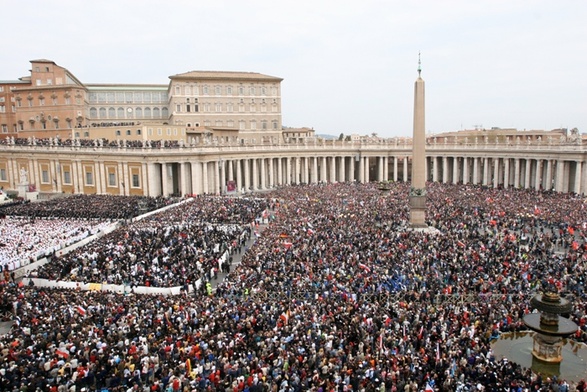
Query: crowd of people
x=177, y=247
x=337, y=294
x=80, y=206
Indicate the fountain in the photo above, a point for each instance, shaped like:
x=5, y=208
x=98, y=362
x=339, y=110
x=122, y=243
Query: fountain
x=550, y=326
x=545, y=347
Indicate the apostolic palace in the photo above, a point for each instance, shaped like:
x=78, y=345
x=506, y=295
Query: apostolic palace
x=221, y=132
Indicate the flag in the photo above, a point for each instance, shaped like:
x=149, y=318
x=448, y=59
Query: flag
x=428, y=388
x=188, y=366
x=310, y=231
x=536, y=210
x=62, y=353
x=364, y=267
x=81, y=310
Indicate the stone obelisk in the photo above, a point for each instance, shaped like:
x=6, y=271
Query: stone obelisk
x=418, y=186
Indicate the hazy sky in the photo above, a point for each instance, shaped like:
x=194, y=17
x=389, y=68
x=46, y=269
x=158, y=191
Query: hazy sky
x=348, y=66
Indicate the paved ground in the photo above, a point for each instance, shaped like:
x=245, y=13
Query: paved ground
x=5, y=327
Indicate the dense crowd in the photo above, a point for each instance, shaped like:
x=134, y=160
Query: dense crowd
x=337, y=294
x=90, y=207
x=176, y=247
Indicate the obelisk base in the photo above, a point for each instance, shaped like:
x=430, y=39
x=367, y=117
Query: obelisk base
x=418, y=211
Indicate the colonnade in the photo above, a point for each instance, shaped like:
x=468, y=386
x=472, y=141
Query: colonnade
x=560, y=174
x=243, y=169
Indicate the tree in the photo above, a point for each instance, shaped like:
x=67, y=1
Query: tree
x=341, y=137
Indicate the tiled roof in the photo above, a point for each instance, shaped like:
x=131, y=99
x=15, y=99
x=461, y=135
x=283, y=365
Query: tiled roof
x=214, y=75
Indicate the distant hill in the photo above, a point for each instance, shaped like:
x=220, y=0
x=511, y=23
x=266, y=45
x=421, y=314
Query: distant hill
x=327, y=137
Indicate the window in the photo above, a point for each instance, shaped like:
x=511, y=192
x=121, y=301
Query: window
x=241, y=90
x=135, y=181
x=66, y=177
x=251, y=90
x=168, y=131
x=205, y=90
x=241, y=125
x=30, y=103
x=68, y=123
x=4, y=128
x=118, y=132
x=44, y=176
x=86, y=134
x=263, y=90
x=120, y=112
x=54, y=101
x=2, y=109
x=230, y=123
x=229, y=90
x=241, y=107
x=102, y=112
x=264, y=124
x=41, y=101
x=187, y=90
x=196, y=90
x=138, y=131
x=275, y=125
x=229, y=107
x=2, y=174
x=111, y=112
x=217, y=90
x=38, y=82
x=177, y=90
x=1, y=89
x=159, y=131
x=111, y=179
x=178, y=108
x=150, y=131
x=128, y=132
x=218, y=107
x=89, y=178
x=218, y=123
x=77, y=135
x=67, y=101
x=49, y=82
x=188, y=108
x=253, y=124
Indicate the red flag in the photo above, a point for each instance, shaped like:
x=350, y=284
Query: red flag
x=81, y=310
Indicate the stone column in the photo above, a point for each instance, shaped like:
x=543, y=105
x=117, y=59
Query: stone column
x=476, y=171
x=496, y=175
x=367, y=167
x=560, y=175
x=288, y=169
x=517, y=173
x=205, y=176
x=444, y=170
x=239, y=176
x=53, y=174
x=577, y=187
x=465, y=170
x=506, y=173
x=548, y=179
x=247, y=174
x=486, y=171
x=152, y=180
x=395, y=168
x=271, y=174
x=406, y=169
x=183, y=178
x=164, y=180
x=527, y=173
x=538, y=179
x=262, y=162
x=323, y=165
x=314, y=174
x=455, y=170
x=255, y=174
x=352, y=169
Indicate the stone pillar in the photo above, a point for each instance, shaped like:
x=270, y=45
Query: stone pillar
x=126, y=179
x=255, y=174
x=434, y=169
x=538, y=179
x=323, y=169
x=516, y=172
x=548, y=179
x=271, y=174
x=465, y=170
x=506, y=173
x=455, y=170
x=247, y=174
x=527, y=173
x=239, y=176
x=280, y=171
x=205, y=176
x=183, y=178
x=314, y=176
x=577, y=185
x=342, y=169
x=164, y=186
x=395, y=168
x=263, y=162
x=367, y=167
x=476, y=171
x=444, y=170
x=496, y=176
x=352, y=169
x=560, y=176
x=486, y=171
x=406, y=169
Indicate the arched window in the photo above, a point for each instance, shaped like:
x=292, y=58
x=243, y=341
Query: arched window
x=118, y=132
x=128, y=132
x=120, y=112
x=147, y=112
x=138, y=113
x=102, y=112
x=165, y=113
x=156, y=113
x=111, y=112
x=93, y=113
